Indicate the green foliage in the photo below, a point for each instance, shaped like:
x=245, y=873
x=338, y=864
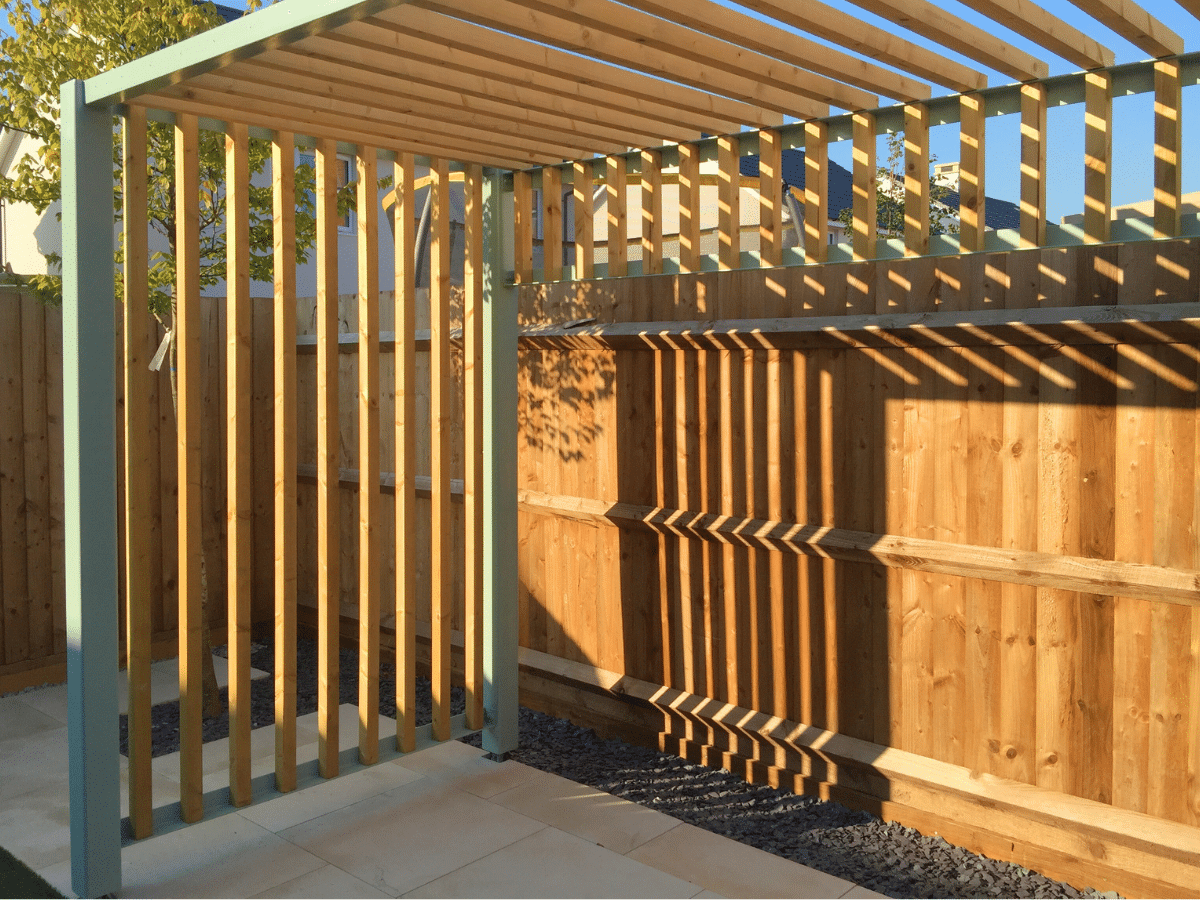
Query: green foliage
x=55, y=41
x=890, y=197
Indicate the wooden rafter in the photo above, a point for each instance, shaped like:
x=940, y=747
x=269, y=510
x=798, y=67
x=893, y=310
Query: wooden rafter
x=770, y=40
x=861, y=37
x=505, y=15
x=1134, y=24
x=1046, y=30
x=674, y=31
x=928, y=20
x=650, y=95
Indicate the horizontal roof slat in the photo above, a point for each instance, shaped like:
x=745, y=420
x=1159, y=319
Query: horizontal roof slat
x=518, y=19
x=447, y=121
x=770, y=40
x=596, y=80
x=1049, y=31
x=314, y=75
x=676, y=37
x=274, y=26
x=1133, y=23
x=854, y=34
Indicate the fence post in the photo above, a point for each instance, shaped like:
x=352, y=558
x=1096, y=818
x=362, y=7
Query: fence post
x=90, y=472
x=500, y=733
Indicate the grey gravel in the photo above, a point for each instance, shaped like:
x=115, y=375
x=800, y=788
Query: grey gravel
x=882, y=856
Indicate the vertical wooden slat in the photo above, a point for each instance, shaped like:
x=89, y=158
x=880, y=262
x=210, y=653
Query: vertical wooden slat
x=585, y=216
x=522, y=227
x=473, y=422
x=816, y=192
x=1098, y=157
x=328, y=462
x=916, y=179
x=55, y=449
x=689, y=208
x=37, y=487
x=729, y=205
x=13, y=581
x=652, y=212
x=138, y=492
x=770, y=192
x=370, y=568
x=189, y=362
x=239, y=484
x=866, y=197
x=552, y=223
x=972, y=198
x=1033, y=165
x=283, y=190
x=406, y=457
x=618, y=216
x=1168, y=147
x=440, y=399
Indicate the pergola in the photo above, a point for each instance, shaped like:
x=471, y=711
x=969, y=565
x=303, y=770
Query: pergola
x=498, y=86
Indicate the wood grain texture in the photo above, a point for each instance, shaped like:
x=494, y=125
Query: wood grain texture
x=1168, y=148
x=283, y=192
x=1098, y=157
x=1033, y=165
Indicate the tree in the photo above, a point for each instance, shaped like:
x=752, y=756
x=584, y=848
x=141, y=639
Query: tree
x=890, y=196
x=54, y=41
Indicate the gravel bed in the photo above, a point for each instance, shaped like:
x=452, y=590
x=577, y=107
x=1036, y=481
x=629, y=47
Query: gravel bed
x=881, y=856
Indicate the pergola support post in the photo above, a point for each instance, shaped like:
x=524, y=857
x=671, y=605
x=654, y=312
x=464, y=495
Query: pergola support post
x=500, y=626
x=90, y=459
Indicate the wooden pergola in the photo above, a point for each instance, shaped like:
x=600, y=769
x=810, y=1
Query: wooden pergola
x=497, y=86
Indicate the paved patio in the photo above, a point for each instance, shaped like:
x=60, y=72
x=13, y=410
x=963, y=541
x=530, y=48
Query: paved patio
x=442, y=822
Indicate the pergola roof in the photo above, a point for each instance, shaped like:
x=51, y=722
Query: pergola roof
x=519, y=83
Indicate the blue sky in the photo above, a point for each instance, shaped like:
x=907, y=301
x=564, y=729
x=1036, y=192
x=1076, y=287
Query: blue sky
x=1132, y=116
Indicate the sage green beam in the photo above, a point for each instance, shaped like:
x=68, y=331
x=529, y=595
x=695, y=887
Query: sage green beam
x=500, y=615
x=267, y=29
x=90, y=482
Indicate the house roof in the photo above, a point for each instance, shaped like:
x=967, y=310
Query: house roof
x=998, y=214
x=521, y=83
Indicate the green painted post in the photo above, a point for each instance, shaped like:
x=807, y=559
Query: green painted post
x=90, y=472
x=500, y=631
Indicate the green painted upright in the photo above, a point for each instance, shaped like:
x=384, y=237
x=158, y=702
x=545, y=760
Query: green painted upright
x=90, y=482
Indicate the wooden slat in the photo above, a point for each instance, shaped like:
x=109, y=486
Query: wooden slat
x=972, y=166
x=948, y=30
x=762, y=37
x=406, y=427
x=1047, y=30
x=652, y=212
x=916, y=180
x=283, y=191
x=450, y=129
x=370, y=564
x=239, y=461
x=1133, y=23
x=36, y=506
x=440, y=399
x=328, y=460
x=618, y=216
x=189, y=361
x=552, y=224
x=852, y=33
x=628, y=91
x=1098, y=157
x=523, y=227
x=473, y=438
x=138, y=493
x=598, y=42
x=1033, y=165
x=585, y=216
x=689, y=208
x=865, y=225
x=816, y=192
x=1168, y=148
x=729, y=203
x=770, y=193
